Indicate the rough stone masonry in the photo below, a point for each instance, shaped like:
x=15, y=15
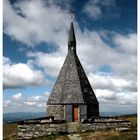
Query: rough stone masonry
x=46, y=126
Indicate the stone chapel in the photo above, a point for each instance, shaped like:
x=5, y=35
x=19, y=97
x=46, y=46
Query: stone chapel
x=72, y=97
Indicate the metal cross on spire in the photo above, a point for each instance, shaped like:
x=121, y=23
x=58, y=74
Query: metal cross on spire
x=72, y=15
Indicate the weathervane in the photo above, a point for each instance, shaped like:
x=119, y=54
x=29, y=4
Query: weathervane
x=71, y=15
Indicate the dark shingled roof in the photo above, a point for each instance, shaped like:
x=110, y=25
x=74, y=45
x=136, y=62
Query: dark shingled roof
x=72, y=85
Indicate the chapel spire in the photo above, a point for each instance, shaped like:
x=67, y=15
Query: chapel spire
x=72, y=39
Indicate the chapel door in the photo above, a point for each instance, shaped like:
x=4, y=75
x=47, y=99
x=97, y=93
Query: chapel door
x=75, y=113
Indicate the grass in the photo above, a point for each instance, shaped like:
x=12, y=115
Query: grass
x=52, y=137
x=109, y=135
x=132, y=118
x=96, y=135
x=10, y=133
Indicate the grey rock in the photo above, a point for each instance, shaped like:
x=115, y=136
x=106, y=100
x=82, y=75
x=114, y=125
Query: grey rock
x=122, y=129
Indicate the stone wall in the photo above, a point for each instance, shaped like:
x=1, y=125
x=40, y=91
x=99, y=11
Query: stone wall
x=28, y=131
x=56, y=110
x=104, y=125
x=37, y=128
x=65, y=112
x=83, y=112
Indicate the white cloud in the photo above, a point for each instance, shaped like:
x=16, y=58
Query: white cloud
x=17, y=97
x=102, y=52
x=108, y=99
x=111, y=82
x=6, y=60
x=112, y=101
x=20, y=75
x=40, y=22
x=117, y=98
x=54, y=29
x=127, y=43
x=114, y=93
x=47, y=94
x=122, y=64
x=37, y=99
x=105, y=95
x=51, y=63
x=94, y=8
x=31, y=103
x=7, y=103
x=66, y=4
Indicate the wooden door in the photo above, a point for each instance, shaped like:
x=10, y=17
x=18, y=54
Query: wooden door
x=75, y=113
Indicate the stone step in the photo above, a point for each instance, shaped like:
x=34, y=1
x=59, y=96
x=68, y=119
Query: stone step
x=73, y=127
x=74, y=137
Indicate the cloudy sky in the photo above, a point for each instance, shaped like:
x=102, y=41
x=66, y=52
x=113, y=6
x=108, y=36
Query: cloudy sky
x=35, y=47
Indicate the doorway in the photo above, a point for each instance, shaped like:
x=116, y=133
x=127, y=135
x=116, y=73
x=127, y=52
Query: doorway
x=75, y=113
